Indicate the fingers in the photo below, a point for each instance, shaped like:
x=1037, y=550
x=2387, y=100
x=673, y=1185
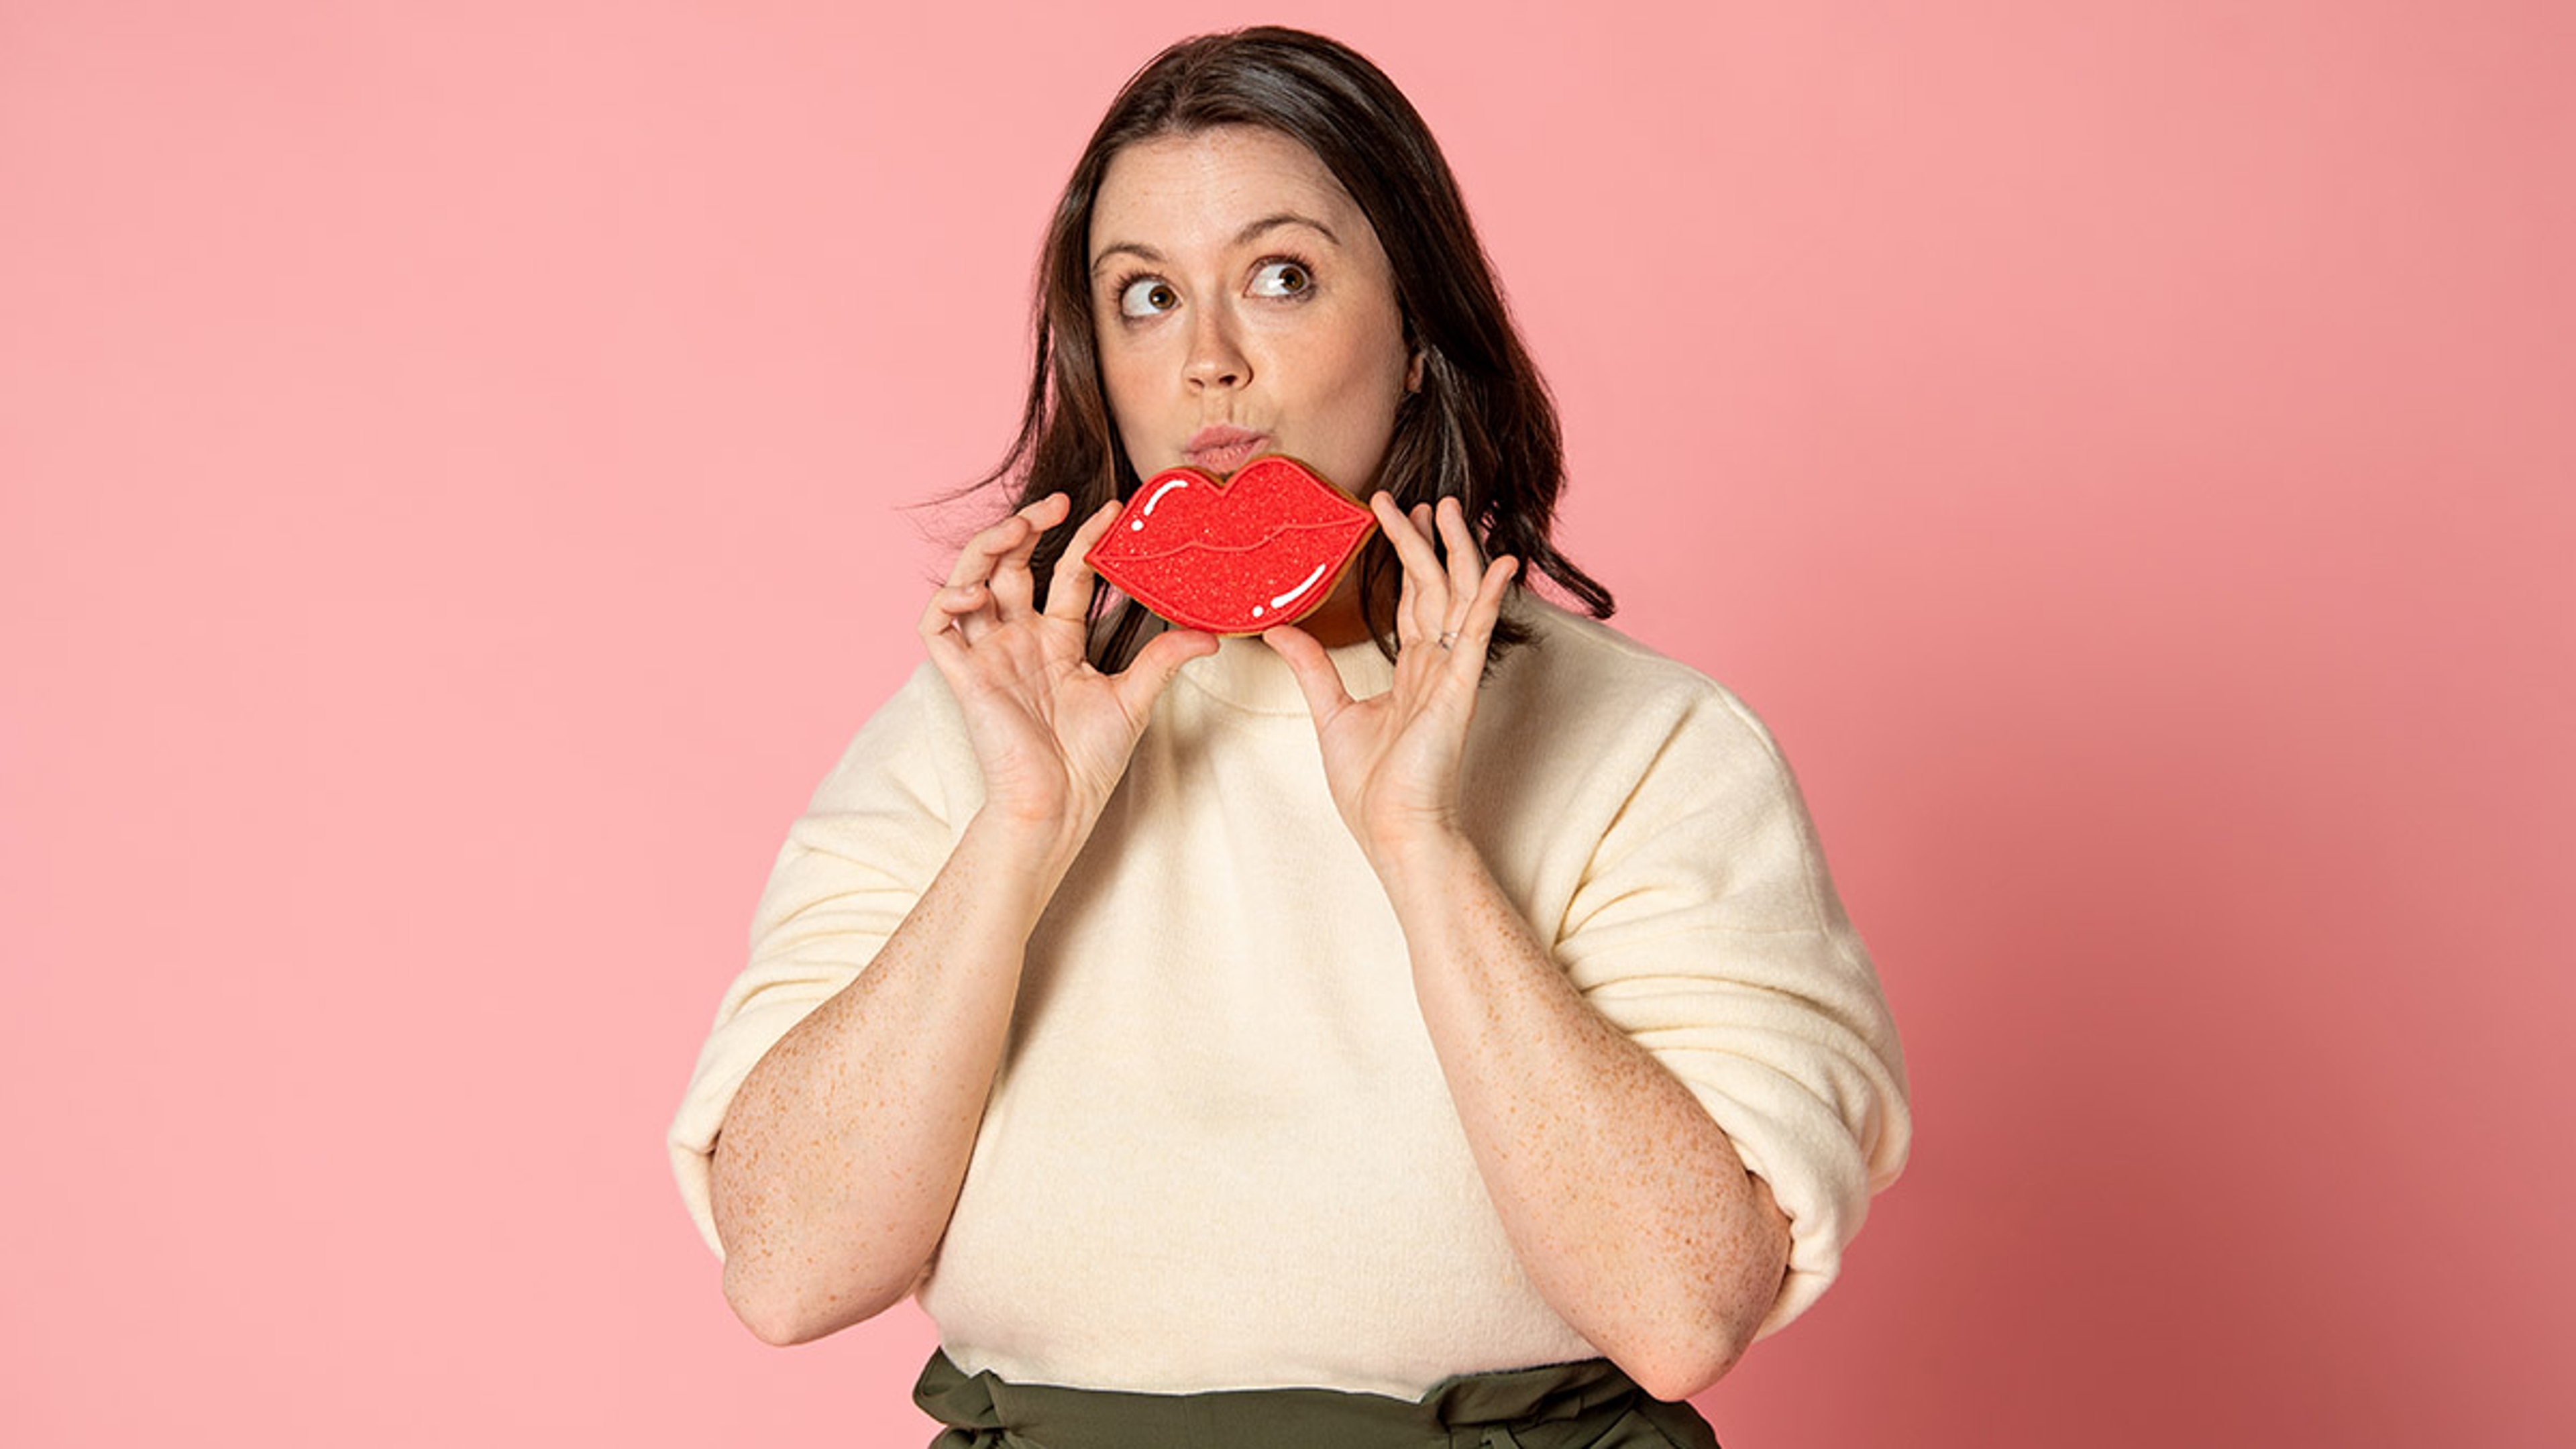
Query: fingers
x=1317, y=679
x=1430, y=606
x=1441, y=598
x=1014, y=587
x=1466, y=561
x=975, y=562
x=1423, y=600
x=1156, y=663
x=1477, y=629
x=1069, y=587
x=947, y=650
x=950, y=610
x=948, y=603
x=990, y=582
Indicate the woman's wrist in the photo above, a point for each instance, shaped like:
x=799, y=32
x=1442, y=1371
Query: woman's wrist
x=1419, y=856
x=1034, y=851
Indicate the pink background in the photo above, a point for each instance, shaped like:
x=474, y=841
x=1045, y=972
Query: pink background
x=454, y=463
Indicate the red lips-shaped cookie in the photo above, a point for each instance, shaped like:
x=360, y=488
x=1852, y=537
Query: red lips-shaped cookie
x=1233, y=556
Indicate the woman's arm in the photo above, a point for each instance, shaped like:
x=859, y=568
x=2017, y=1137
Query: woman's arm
x=841, y=1156
x=1621, y=1195
x=1623, y=1198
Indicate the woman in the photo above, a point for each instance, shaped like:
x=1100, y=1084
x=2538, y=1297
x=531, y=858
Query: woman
x=1434, y=1015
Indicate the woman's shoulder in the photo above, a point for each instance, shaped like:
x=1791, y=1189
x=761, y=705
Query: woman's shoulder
x=913, y=743
x=1575, y=656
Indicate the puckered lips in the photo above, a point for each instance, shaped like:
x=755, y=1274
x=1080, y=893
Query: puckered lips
x=1233, y=556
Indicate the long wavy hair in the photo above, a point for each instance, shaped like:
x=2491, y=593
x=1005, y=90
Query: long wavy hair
x=1482, y=427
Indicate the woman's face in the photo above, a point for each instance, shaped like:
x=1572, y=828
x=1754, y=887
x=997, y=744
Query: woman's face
x=1243, y=306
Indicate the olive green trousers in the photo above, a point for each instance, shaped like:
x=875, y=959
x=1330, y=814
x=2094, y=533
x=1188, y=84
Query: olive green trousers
x=1586, y=1405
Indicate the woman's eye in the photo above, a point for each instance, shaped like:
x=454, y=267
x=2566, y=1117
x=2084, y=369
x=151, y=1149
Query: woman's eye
x=1147, y=297
x=1282, y=279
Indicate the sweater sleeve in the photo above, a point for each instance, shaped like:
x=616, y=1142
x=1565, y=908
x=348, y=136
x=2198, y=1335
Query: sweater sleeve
x=878, y=830
x=1707, y=928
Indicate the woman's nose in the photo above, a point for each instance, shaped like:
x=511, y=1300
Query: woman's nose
x=1216, y=359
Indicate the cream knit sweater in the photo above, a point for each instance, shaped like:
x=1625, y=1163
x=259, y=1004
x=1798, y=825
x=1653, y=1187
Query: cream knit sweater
x=1219, y=1152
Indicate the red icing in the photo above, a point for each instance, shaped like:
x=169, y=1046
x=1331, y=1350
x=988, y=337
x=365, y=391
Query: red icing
x=1233, y=556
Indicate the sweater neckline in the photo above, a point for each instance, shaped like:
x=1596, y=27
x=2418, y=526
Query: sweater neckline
x=1250, y=676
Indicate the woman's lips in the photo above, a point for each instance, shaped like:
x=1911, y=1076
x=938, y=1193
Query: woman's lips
x=1223, y=448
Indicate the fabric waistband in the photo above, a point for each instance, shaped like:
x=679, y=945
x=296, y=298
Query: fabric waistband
x=1589, y=1404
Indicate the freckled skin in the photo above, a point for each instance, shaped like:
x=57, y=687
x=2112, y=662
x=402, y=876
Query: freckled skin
x=1624, y=1201
x=842, y=1154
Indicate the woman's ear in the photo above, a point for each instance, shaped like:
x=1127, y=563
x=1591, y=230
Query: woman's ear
x=1413, y=372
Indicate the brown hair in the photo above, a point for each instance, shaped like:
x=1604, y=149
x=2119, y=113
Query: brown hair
x=1482, y=427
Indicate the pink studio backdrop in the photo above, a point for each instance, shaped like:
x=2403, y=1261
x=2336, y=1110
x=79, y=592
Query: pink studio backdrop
x=452, y=468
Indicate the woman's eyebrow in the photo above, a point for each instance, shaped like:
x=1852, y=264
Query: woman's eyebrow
x=1251, y=231
x=1283, y=218
x=1134, y=249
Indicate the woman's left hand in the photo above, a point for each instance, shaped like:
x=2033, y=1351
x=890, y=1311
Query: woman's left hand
x=1392, y=760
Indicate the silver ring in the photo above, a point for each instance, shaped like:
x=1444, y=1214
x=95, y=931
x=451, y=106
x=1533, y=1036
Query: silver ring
x=1449, y=639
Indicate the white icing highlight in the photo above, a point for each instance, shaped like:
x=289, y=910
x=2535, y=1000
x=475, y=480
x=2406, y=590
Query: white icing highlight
x=1292, y=593
x=1157, y=495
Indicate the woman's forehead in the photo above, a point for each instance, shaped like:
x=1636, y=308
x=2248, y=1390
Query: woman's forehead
x=1201, y=188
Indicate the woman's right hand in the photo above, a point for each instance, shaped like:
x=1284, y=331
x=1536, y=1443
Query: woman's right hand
x=1052, y=733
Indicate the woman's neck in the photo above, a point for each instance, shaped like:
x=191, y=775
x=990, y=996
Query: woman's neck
x=1338, y=620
